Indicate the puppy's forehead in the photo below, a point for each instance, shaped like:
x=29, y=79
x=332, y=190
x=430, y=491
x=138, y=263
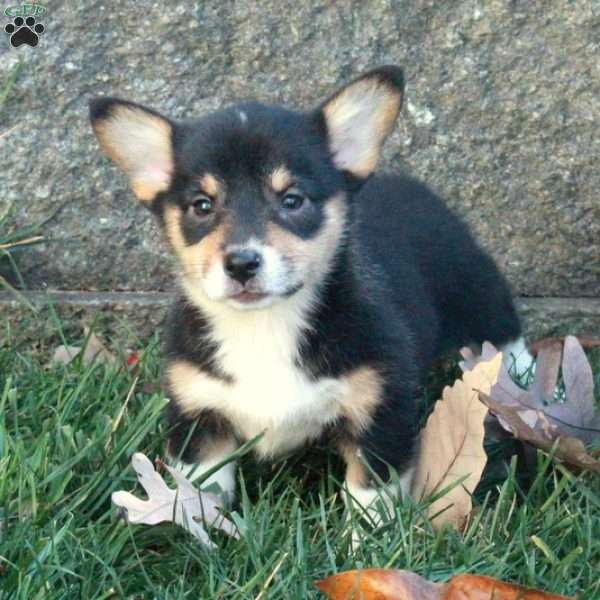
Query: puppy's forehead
x=251, y=140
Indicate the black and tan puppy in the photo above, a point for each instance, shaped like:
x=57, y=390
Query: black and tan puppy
x=314, y=294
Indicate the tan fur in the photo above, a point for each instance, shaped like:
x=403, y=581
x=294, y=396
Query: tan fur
x=211, y=248
x=172, y=217
x=146, y=192
x=356, y=471
x=280, y=179
x=380, y=105
x=366, y=389
x=193, y=389
x=198, y=258
x=311, y=258
x=140, y=143
x=211, y=186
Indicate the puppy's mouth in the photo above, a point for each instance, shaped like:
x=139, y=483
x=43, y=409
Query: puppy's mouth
x=249, y=296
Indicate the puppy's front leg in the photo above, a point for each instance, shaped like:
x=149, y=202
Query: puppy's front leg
x=198, y=444
x=379, y=433
x=200, y=437
x=363, y=492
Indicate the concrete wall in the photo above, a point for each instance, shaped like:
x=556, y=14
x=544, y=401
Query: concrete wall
x=501, y=117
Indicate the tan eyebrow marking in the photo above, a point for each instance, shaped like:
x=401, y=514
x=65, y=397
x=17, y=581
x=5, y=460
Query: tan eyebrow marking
x=210, y=185
x=280, y=179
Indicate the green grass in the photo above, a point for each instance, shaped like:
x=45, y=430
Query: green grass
x=13, y=239
x=63, y=450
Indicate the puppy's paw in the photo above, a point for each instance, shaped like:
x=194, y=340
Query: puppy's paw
x=372, y=506
x=518, y=360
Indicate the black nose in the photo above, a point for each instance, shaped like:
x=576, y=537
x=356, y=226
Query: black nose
x=242, y=265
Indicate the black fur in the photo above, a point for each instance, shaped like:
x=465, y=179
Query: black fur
x=187, y=337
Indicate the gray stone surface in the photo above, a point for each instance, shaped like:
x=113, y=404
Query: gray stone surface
x=501, y=117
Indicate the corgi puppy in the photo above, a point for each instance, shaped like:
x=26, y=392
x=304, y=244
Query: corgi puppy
x=313, y=294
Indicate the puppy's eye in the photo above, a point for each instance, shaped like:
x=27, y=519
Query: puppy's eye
x=292, y=201
x=202, y=206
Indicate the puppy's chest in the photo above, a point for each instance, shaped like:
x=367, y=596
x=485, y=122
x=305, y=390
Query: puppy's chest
x=271, y=394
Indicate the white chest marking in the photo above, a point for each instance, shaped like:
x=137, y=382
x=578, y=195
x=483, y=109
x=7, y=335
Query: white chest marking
x=270, y=393
x=281, y=402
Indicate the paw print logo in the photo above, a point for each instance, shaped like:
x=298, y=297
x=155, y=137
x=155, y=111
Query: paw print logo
x=24, y=31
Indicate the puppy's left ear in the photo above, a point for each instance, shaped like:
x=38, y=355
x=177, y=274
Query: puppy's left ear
x=360, y=116
x=139, y=140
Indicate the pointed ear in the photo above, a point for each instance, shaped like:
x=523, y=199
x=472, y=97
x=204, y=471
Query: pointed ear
x=139, y=140
x=360, y=116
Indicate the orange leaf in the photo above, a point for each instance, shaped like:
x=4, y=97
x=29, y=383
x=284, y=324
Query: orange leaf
x=478, y=587
x=391, y=584
x=379, y=584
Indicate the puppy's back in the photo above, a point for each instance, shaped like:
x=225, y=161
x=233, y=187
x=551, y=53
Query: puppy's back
x=435, y=270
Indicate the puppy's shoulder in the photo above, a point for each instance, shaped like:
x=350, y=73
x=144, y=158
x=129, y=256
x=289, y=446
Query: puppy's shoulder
x=187, y=337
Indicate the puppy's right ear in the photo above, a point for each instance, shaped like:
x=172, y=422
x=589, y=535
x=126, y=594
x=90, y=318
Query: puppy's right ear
x=139, y=140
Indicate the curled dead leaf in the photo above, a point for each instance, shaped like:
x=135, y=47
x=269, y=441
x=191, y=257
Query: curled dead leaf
x=567, y=449
x=587, y=341
x=576, y=416
x=452, y=446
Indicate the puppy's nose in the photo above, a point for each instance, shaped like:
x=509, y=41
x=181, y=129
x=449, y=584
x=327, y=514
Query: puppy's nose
x=242, y=265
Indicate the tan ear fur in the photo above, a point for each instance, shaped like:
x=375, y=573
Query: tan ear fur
x=360, y=116
x=140, y=142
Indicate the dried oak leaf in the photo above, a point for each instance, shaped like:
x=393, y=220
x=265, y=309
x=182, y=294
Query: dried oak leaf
x=534, y=417
x=577, y=416
x=567, y=449
x=392, y=584
x=452, y=446
x=186, y=506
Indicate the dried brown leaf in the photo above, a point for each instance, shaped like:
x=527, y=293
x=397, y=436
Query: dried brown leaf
x=186, y=506
x=546, y=373
x=587, y=341
x=576, y=414
x=452, y=446
x=576, y=417
x=567, y=449
x=505, y=389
